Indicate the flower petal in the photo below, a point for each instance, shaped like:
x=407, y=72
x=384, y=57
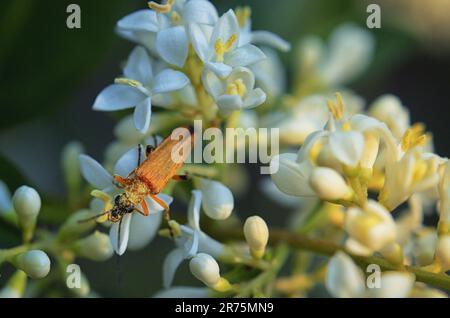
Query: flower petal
x=255, y=98
x=290, y=176
x=172, y=45
x=94, y=173
x=199, y=36
x=200, y=11
x=270, y=39
x=226, y=27
x=139, y=66
x=394, y=285
x=117, y=97
x=344, y=279
x=220, y=69
x=143, y=229
x=142, y=115
x=171, y=264
x=245, y=55
x=229, y=103
x=169, y=80
x=142, y=20
x=347, y=147
x=120, y=241
x=212, y=83
x=128, y=162
x=194, y=209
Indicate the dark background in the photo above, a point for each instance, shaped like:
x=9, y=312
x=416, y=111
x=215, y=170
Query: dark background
x=50, y=76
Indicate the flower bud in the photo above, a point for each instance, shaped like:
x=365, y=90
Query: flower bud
x=96, y=247
x=256, y=234
x=344, y=279
x=329, y=185
x=35, y=263
x=75, y=225
x=205, y=268
x=389, y=109
x=71, y=165
x=15, y=288
x=218, y=202
x=27, y=204
x=443, y=252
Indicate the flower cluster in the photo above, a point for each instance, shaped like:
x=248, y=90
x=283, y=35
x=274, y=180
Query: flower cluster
x=360, y=180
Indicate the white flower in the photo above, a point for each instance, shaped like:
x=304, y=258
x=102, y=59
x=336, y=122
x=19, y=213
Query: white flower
x=270, y=73
x=219, y=48
x=389, y=109
x=265, y=38
x=189, y=241
x=34, y=263
x=99, y=178
x=290, y=176
x=349, y=53
x=163, y=29
x=413, y=172
x=235, y=92
x=345, y=280
x=218, y=201
x=370, y=229
x=256, y=234
x=138, y=88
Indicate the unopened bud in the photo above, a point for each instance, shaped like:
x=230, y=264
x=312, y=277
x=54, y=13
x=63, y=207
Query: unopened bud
x=27, y=205
x=35, y=263
x=96, y=247
x=256, y=234
x=218, y=202
x=71, y=165
x=205, y=268
x=329, y=185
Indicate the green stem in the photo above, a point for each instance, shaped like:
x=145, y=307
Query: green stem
x=329, y=249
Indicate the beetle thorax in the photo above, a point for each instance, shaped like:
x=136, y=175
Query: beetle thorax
x=136, y=192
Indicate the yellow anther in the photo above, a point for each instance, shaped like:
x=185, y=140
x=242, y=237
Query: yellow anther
x=176, y=18
x=161, y=8
x=413, y=137
x=127, y=81
x=107, y=201
x=237, y=88
x=222, y=48
x=315, y=151
x=175, y=227
x=336, y=109
x=243, y=15
x=346, y=126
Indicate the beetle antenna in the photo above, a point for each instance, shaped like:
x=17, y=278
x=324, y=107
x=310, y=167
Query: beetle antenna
x=93, y=218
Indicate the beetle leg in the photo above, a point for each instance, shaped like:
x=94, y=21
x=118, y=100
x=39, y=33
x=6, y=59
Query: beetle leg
x=144, y=208
x=148, y=150
x=180, y=177
x=166, y=211
x=121, y=182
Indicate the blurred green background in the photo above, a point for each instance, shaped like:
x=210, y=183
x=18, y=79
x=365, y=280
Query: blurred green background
x=50, y=76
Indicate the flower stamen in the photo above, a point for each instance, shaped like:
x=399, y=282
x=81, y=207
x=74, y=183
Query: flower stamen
x=336, y=109
x=237, y=88
x=414, y=137
x=222, y=48
x=243, y=15
x=161, y=8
